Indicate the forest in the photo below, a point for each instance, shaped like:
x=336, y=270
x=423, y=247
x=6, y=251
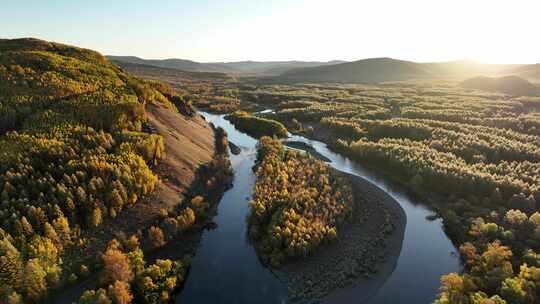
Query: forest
x=127, y=278
x=299, y=203
x=257, y=127
x=73, y=155
x=473, y=156
x=213, y=92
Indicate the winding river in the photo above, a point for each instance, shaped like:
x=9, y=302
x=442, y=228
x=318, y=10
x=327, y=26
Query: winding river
x=226, y=269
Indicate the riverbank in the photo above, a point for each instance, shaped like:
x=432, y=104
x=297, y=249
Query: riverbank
x=192, y=159
x=353, y=268
x=422, y=226
x=236, y=275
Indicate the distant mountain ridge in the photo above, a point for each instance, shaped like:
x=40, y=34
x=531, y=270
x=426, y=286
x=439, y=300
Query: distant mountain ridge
x=372, y=70
x=375, y=70
x=273, y=67
x=261, y=68
x=366, y=70
x=179, y=64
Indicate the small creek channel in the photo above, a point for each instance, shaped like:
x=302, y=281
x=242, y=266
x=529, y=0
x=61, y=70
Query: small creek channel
x=226, y=269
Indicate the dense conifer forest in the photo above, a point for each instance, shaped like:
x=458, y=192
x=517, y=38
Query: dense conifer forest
x=473, y=156
x=255, y=126
x=299, y=203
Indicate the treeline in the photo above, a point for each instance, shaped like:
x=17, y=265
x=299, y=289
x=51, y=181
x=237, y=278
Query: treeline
x=257, y=126
x=72, y=154
x=476, y=154
x=298, y=205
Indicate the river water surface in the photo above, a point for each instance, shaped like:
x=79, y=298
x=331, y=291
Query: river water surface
x=226, y=269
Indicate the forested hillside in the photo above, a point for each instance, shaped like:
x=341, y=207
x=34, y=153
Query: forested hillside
x=73, y=155
x=215, y=92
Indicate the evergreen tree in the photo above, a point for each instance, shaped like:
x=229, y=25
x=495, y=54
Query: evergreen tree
x=116, y=265
x=34, y=280
x=11, y=265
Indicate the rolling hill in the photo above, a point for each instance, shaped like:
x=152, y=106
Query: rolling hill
x=528, y=71
x=253, y=68
x=363, y=71
x=179, y=64
x=273, y=68
x=462, y=69
x=511, y=85
x=375, y=70
x=174, y=77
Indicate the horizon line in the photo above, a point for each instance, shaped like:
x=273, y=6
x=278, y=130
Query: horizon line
x=286, y=60
x=324, y=61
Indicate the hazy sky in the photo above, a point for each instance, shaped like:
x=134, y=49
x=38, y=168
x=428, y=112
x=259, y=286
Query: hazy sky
x=495, y=31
